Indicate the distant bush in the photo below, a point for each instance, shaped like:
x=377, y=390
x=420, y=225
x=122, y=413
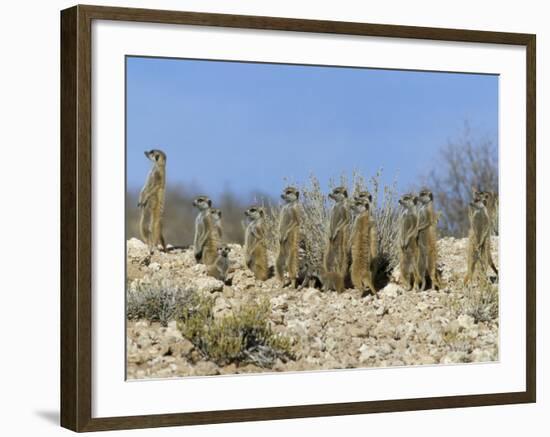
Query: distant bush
x=243, y=337
x=462, y=163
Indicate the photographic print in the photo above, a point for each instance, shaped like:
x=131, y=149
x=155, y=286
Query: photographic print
x=284, y=218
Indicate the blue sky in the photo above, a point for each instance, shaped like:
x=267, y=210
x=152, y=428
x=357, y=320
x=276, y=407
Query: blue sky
x=247, y=126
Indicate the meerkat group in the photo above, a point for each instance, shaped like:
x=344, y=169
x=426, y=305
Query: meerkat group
x=351, y=245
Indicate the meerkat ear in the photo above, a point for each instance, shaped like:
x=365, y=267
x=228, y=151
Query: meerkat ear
x=209, y=202
x=370, y=197
x=415, y=200
x=431, y=196
x=297, y=194
x=345, y=193
x=261, y=211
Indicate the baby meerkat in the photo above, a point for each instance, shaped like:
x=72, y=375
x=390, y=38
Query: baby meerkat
x=363, y=242
x=289, y=236
x=255, y=248
x=478, y=238
x=337, y=245
x=206, y=241
x=427, y=240
x=151, y=201
x=408, y=246
x=220, y=267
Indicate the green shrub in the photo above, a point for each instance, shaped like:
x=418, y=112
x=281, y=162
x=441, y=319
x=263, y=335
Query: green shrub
x=242, y=337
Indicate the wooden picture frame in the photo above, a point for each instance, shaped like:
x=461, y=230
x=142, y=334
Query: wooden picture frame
x=76, y=217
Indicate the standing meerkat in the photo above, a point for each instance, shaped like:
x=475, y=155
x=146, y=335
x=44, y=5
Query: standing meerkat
x=491, y=204
x=337, y=246
x=255, y=248
x=216, y=215
x=363, y=242
x=408, y=246
x=151, y=201
x=219, y=268
x=207, y=240
x=478, y=238
x=289, y=236
x=427, y=240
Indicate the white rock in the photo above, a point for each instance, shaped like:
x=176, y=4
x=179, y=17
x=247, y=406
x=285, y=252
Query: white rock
x=465, y=321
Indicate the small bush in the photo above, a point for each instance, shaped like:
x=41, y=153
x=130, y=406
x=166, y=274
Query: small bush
x=481, y=302
x=242, y=337
x=157, y=302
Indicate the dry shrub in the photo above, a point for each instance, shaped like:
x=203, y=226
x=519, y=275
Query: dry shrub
x=243, y=337
x=156, y=302
x=481, y=302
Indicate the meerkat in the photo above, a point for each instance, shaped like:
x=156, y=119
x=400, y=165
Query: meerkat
x=216, y=215
x=255, y=248
x=336, y=259
x=363, y=195
x=207, y=240
x=151, y=201
x=408, y=246
x=363, y=242
x=289, y=236
x=491, y=204
x=478, y=238
x=220, y=267
x=332, y=281
x=427, y=240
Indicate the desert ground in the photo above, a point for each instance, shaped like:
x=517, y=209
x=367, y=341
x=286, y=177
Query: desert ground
x=325, y=330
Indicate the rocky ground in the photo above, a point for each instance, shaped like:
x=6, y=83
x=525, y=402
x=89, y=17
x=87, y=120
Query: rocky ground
x=328, y=330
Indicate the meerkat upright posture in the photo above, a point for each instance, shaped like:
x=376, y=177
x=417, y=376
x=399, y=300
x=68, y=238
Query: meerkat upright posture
x=427, y=240
x=337, y=245
x=219, y=268
x=216, y=215
x=289, y=236
x=207, y=240
x=408, y=246
x=491, y=204
x=478, y=238
x=255, y=249
x=151, y=201
x=363, y=242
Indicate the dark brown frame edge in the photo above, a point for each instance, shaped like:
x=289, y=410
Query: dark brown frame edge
x=76, y=225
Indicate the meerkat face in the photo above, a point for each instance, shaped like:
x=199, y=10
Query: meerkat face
x=478, y=203
x=408, y=201
x=359, y=206
x=339, y=194
x=224, y=251
x=425, y=196
x=363, y=195
x=156, y=155
x=290, y=194
x=254, y=212
x=216, y=213
x=202, y=203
